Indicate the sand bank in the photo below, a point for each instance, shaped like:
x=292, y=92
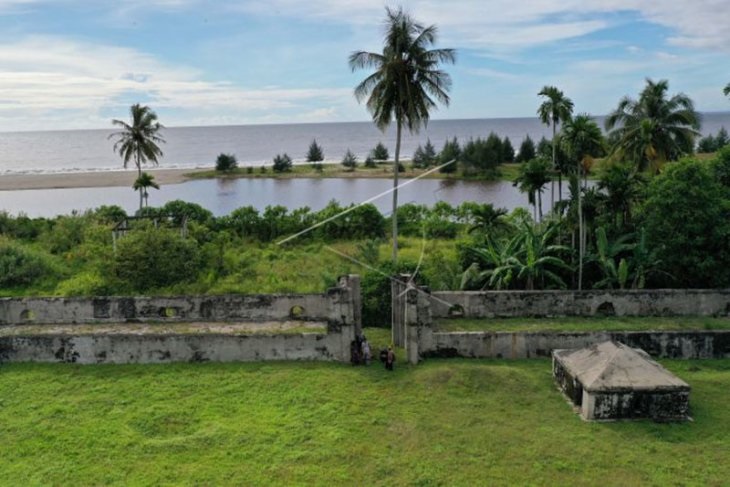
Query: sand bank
x=89, y=179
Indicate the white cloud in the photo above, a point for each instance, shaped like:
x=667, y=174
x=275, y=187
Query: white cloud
x=45, y=75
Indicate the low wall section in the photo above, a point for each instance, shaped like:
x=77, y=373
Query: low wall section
x=338, y=308
x=422, y=308
x=635, y=302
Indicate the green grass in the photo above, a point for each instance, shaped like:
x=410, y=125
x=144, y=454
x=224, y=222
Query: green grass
x=445, y=422
x=584, y=324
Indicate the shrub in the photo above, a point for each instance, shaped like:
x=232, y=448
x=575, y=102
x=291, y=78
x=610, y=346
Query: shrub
x=282, y=163
x=20, y=266
x=527, y=150
x=318, y=166
x=370, y=162
x=424, y=156
x=109, y=214
x=66, y=233
x=263, y=170
x=508, y=152
x=151, y=258
x=450, y=152
x=376, y=292
x=349, y=161
x=315, y=154
x=249, y=170
x=226, y=162
x=380, y=152
x=179, y=210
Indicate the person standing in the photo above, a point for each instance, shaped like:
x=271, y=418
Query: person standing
x=366, y=353
x=390, y=359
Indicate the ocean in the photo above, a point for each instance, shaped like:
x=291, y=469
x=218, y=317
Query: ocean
x=194, y=147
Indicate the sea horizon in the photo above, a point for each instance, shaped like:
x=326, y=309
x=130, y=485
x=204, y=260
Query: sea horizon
x=191, y=147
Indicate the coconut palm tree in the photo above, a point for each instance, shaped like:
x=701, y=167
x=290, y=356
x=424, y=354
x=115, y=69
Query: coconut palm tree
x=533, y=176
x=654, y=129
x=556, y=108
x=143, y=182
x=406, y=85
x=583, y=140
x=138, y=141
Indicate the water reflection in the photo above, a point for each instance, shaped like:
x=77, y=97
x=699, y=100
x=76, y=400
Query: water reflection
x=221, y=196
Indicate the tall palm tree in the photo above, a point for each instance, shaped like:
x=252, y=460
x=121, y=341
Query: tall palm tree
x=654, y=129
x=406, y=84
x=138, y=141
x=556, y=108
x=533, y=176
x=583, y=140
x=143, y=182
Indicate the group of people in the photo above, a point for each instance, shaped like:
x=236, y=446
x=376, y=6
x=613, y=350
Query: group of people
x=361, y=353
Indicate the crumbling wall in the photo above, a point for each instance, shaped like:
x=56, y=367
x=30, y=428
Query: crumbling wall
x=634, y=302
x=336, y=308
x=126, y=349
x=699, y=344
x=659, y=406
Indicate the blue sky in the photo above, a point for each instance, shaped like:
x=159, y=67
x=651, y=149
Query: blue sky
x=68, y=64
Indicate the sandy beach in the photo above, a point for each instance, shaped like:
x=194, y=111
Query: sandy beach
x=89, y=179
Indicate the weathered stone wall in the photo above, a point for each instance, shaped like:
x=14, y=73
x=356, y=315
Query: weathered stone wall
x=331, y=307
x=125, y=349
x=635, y=302
x=521, y=345
x=338, y=308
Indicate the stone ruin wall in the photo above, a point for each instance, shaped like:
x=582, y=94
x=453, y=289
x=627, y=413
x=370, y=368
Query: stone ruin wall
x=338, y=308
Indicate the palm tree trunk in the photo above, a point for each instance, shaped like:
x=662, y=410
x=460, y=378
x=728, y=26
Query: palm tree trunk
x=395, y=191
x=139, y=175
x=552, y=182
x=539, y=204
x=580, y=234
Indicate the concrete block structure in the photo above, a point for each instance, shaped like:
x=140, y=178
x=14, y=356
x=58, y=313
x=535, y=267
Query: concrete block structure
x=609, y=381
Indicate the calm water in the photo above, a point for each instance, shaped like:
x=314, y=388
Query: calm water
x=223, y=196
x=91, y=150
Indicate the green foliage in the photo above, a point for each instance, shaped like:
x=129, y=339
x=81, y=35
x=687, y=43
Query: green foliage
x=66, y=232
x=508, y=152
x=544, y=148
x=370, y=162
x=226, y=162
x=317, y=166
x=155, y=258
x=533, y=177
x=721, y=166
x=687, y=218
x=315, y=153
x=376, y=292
x=713, y=144
x=380, y=152
x=180, y=210
x=21, y=266
x=108, y=214
x=527, y=150
x=349, y=160
x=425, y=156
x=481, y=157
x=450, y=152
x=654, y=129
x=282, y=163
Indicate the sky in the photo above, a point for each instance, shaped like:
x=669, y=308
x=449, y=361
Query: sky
x=71, y=64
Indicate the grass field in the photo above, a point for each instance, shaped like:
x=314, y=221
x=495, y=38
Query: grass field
x=444, y=422
x=571, y=323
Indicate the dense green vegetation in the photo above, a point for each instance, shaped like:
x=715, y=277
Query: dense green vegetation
x=665, y=230
x=445, y=422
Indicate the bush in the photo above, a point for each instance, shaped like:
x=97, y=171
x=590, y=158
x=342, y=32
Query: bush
x=349, y=161
x=450, y=152
x=376, y=293
x=380, y=152
x=179, y=210
x=508, y=152
x=151, y=258
x=20, y=266
x=318, y=166
x=370, y=162
x=527, y=150
x=315, y=153
x=424, y=156
x=110, y=214
x=226, y=162
x=282, y=163
x=481, y=157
